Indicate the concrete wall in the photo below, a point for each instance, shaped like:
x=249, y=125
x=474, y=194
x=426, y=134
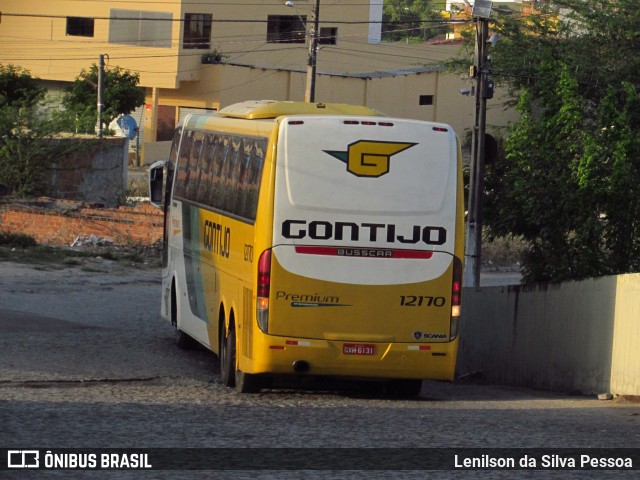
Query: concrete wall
x=625, y=374
x=94, y=172
x=576, y=336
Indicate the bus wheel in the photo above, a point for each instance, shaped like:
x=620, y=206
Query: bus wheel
x=228, y=358
x=404, y=388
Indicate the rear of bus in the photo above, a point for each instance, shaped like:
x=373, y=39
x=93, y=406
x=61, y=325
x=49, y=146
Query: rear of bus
x=361, y=275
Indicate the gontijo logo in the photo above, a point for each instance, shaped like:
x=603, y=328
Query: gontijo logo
x=369, y=158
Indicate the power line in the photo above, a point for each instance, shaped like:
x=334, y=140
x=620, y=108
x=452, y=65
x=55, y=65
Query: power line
x=223, y=40
x=274, y=3
x=199, y=54
x=219, y=41
x=240, y=39
x=232, y=20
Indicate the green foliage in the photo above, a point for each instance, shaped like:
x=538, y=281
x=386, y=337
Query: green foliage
x=568, y=179
x=25, y=150
x=121, y=96
x=28, y=150
x=528, y=189
x=411, y=20
x=608, y=176
x=18, y=88
x=22, y=153
x=598, y=42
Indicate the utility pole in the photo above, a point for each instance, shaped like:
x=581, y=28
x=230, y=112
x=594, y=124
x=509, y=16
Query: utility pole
x=100, y=93
x=310, y=90
x=473, y=249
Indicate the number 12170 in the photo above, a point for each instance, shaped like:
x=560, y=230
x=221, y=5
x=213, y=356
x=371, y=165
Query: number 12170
x=422, y=301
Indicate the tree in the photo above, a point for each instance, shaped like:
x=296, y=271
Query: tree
x=568, y=179
x=596, y=40
x=531, y=193
x=608, y=175
x=417, y=20
x=25, y=150
x=18, y=87
x=121, y=96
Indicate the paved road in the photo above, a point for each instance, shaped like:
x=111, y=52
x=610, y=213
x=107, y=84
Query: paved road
x=86, y=361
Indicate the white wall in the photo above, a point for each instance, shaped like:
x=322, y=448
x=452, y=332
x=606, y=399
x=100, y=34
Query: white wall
x=576, y=336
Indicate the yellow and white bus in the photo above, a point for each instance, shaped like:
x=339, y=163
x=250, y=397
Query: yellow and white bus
x=314, y=239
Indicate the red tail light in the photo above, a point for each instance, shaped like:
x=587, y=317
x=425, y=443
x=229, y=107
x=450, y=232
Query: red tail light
x=264, y=274
x=456, y=298
x=456, y=283
x=264, y=288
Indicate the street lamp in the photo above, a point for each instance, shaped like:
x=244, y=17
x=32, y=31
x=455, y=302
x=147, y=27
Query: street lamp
x=473, y=249
x=312, y=38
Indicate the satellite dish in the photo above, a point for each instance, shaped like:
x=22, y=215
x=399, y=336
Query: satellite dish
x=128, y=126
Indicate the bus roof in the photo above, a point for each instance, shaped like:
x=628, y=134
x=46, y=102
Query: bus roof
x=263, y=109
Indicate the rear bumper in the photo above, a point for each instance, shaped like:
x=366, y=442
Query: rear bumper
x=429, y=361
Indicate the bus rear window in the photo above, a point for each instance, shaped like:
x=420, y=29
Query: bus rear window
x=362, y=168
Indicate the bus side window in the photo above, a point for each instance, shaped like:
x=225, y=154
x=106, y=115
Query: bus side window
x=195, y=164
x=234, y=176
x=254, y=175
x=248, y=188
x=182, y=175
x=173, y=154
x=216, y=170
x=206, y=164
x=224, y=175
x=225, y=153
x=240, y=207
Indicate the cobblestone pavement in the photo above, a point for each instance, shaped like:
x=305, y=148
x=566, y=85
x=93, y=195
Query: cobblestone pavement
x=87, y=362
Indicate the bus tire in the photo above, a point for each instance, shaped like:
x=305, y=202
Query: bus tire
x=232, y=377
x=228, y=358
x=404, y=388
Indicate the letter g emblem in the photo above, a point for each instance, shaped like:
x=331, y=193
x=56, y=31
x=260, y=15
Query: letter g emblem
x=368, y=158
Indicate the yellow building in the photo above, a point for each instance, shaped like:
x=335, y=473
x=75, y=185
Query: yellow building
x=206, y=54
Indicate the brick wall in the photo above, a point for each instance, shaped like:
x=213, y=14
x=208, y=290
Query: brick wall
x=59, y=222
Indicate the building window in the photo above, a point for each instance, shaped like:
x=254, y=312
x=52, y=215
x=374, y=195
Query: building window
x=140, y=27
x=80, y=26
x=426, y=99
x=328, y=35
x=286, y=29
x=197, y=31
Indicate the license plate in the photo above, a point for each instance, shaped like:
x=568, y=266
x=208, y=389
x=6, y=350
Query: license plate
x=358, y=349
